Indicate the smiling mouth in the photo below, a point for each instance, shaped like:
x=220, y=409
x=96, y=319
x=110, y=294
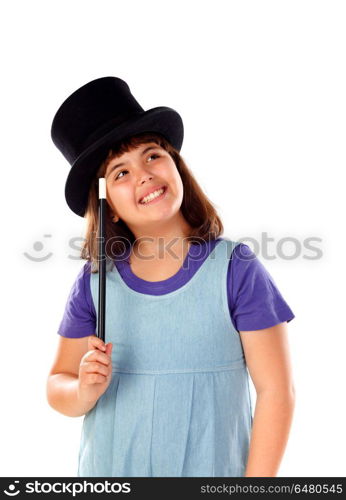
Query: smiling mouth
x=156, y=198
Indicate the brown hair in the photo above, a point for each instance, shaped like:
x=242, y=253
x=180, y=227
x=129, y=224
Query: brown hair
x=196, y=208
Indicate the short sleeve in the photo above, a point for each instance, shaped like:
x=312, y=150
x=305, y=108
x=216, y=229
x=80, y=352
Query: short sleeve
x=253, y=297
x=79, y=319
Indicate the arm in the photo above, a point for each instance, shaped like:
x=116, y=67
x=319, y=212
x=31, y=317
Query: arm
x=62, y=382
x=267, y=357
x=62, y=395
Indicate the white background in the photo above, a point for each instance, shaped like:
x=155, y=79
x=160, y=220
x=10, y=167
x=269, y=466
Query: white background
x=260, y=86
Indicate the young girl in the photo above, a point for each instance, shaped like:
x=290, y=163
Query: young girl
x=188, y=312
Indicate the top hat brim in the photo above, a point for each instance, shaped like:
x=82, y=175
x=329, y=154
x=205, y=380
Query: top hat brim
x=162, y=120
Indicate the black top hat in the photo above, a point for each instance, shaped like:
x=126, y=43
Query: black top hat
x=94, y=118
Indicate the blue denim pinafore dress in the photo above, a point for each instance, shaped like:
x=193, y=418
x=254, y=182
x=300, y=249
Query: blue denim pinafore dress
x=179, y=402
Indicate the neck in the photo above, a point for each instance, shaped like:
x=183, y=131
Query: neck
x=164, y=240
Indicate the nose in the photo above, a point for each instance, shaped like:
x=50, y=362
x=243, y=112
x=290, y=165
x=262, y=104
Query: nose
x=144, y=177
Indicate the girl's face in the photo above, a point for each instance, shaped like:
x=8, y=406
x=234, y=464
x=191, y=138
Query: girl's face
x=143, y=170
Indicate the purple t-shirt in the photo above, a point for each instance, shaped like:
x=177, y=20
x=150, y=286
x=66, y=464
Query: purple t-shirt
x=254, y=301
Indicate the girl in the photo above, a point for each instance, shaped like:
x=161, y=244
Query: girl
x=188, y=312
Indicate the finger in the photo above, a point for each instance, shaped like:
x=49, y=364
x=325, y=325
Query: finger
x=109, y=347
x=96, y=355
x=95, y=378
x=96, y=343
x=94, y=367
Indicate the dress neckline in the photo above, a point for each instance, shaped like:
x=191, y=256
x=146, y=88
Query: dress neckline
x=196, y=257
x=124, y=267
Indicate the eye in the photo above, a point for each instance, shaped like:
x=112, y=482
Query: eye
x=154, y=154
x=121, y=171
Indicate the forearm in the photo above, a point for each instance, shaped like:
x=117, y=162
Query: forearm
x=271, y=425
x=62, y=395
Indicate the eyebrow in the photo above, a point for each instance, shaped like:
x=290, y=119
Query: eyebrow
x=114, y=167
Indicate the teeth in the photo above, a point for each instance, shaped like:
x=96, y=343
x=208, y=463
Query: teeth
x=153, y=195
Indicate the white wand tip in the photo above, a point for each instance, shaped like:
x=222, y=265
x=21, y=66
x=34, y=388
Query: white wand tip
x=102, y=187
